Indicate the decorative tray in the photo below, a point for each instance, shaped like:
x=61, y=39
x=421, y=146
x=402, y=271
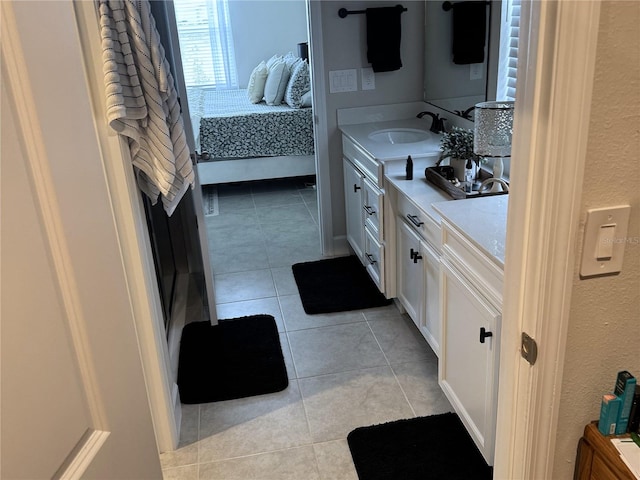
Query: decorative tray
x=443, y=178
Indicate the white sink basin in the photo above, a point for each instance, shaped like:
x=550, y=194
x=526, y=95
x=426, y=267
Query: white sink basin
x=401, y=135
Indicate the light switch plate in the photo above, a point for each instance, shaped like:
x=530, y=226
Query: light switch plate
x=605, y=236
x=343, y=81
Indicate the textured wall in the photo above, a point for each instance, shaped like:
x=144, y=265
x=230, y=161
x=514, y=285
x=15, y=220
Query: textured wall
x=604, y=328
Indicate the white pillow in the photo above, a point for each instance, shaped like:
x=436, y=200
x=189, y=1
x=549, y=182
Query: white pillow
x=298, y=85
x=273, y=60
x=257, y=81
x=276, y=83
x=306, y=99
x=291, y=60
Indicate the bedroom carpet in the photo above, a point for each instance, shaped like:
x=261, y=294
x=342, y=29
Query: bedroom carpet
x=423, y=448
x=237, y=358
x=336, y=285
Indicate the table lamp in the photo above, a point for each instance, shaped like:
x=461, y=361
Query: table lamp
x=493, y=129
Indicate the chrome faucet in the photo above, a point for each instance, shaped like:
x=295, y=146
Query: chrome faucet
x=437, y=125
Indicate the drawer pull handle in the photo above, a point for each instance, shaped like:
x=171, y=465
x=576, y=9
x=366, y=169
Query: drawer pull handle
x=356, y=188
x=415, y=220
x=371, y=258
x=484, y=334
x=417, y=257
x=369, y=210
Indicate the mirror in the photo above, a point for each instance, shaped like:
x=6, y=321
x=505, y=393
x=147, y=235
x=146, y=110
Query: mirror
x=451, y=87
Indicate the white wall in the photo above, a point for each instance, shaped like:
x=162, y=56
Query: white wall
x=344, y=45
x=262, y=28
x=604, y=323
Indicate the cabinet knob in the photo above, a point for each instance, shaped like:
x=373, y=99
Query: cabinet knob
x=484, y=334
x=356, y=188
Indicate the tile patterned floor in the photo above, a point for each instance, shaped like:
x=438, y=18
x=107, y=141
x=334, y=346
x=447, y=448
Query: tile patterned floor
x=345, y=369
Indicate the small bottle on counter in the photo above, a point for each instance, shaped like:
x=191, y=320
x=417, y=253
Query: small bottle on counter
x=409, y=175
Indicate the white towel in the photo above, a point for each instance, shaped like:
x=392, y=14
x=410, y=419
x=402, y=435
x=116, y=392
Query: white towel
x=142, y=103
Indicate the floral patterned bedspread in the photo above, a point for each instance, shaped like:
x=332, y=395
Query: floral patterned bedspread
x=233, y=127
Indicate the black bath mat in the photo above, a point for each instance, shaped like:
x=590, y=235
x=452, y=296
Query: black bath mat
x=424, y=448
x=237, y=358
x=336, y=285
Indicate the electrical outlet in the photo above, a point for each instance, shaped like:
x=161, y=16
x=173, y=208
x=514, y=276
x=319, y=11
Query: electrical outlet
x=368, y=78
x=475, y=71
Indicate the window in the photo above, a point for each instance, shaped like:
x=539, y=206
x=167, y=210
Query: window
x=206, y=43
x=508, y=59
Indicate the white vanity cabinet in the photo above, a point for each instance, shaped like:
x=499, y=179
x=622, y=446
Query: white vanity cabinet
x=471, y=302
x=418, y=269
x=353, y=183
x=364, y=204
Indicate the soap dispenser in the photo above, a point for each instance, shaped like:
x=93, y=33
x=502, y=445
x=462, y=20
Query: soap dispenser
x=409, y=168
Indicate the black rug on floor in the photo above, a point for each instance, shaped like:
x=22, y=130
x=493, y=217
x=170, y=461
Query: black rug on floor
x=336, y=285
x=237, y=358
x=424, y=448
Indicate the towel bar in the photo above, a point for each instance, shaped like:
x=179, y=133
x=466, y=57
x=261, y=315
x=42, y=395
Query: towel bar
x=446, y=6
x=343, y=12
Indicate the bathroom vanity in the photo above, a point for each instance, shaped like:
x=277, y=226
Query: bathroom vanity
x=442, y=260
x=369, y=150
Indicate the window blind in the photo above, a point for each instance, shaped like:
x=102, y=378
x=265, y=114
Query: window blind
x=206, y=43
x=508, y=59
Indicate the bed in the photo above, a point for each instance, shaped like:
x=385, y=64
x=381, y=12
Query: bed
x=246, y=141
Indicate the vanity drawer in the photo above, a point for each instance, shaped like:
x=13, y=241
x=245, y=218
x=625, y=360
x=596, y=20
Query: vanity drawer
x=374, y=259
x=367, y=164
x=422, y=223
x=473, y=263
x=372, y=204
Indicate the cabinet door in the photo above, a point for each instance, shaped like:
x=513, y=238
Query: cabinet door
x=468, y=366
x=410, y=272
x=353, y=183
x=431, y=320
x=418, y=283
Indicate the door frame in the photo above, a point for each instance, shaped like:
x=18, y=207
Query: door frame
x=320, y=132
x=558, y=66
x=553, y=101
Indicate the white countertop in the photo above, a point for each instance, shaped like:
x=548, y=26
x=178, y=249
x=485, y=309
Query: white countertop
x=383, y=152
x=482, y=220
x=419, y=190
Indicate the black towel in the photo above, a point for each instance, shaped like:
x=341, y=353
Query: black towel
x=469, y=32
x=383, y=38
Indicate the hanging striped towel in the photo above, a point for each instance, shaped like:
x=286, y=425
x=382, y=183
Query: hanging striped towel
x=142, y=102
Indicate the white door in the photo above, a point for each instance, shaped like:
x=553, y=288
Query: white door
x=74, y=400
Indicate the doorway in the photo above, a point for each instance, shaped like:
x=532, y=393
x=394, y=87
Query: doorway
x=229, y=129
